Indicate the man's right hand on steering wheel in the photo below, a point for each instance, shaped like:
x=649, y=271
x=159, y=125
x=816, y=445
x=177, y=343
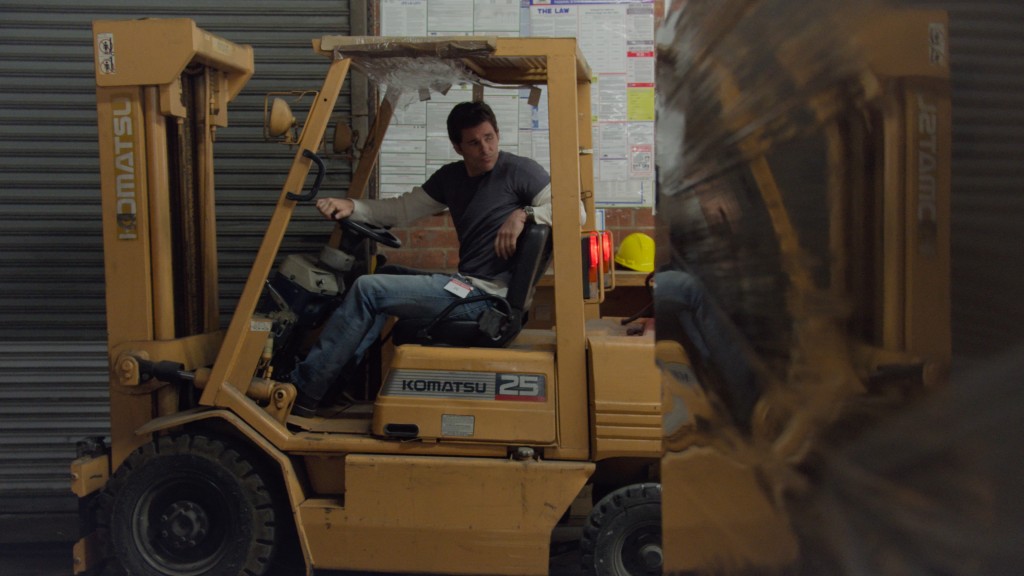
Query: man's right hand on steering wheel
x=339, y=209
x=335, y=208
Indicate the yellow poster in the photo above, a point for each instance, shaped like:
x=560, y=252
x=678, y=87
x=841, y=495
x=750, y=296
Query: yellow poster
x=640, y=104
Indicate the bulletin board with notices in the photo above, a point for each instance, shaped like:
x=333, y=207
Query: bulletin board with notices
x=616, y=37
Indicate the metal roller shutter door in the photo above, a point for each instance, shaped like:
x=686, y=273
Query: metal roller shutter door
x=53, y=386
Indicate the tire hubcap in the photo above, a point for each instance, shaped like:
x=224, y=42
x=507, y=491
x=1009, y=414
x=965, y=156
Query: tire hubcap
x=180, y=525
x=641, y=551
x=183, y=524
x=650, y=554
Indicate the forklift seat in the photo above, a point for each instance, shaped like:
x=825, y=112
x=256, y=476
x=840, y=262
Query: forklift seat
x=501, y=323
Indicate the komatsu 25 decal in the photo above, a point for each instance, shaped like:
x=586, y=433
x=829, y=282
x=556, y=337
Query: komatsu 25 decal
x=466, y=385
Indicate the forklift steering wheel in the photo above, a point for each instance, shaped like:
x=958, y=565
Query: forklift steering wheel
x=375, y=233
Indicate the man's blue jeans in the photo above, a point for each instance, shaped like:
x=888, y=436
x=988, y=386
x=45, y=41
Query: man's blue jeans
x=356, y=324
x=680, y=298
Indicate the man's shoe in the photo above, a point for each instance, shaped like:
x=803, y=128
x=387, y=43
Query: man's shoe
x=305, y=406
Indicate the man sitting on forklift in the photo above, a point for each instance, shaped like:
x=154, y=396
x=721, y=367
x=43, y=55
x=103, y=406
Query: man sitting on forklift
x=683, y=307
x=687, y=314
x=491, y=196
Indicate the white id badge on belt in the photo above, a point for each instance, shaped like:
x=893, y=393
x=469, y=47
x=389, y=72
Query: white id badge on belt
x=459, y=287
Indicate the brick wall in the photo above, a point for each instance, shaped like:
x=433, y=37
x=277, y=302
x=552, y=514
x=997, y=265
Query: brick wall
x=624, y=221
x=432, y=244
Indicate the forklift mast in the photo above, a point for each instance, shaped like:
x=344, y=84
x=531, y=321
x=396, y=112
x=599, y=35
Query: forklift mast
x=162, y=90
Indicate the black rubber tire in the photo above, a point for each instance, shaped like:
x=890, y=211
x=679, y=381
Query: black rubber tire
x=190, y=506
x=622, y=537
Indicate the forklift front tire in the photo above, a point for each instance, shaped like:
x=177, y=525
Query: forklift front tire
x=190, y=506
x=622, y=537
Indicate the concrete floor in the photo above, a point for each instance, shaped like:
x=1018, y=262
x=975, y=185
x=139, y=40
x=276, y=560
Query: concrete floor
x=35, y=560
x=55, y=560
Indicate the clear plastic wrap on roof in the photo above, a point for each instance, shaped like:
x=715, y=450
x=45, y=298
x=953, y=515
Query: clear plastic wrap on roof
x=409, y=69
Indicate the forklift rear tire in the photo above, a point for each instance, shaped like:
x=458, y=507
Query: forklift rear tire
x=622, y=537
x=191, y=506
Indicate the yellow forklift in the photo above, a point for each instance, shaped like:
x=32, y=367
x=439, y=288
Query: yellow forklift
x=815, y=203
x=206, y=472
x=461, y=458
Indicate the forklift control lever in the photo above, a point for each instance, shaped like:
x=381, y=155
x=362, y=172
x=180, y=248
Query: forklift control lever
x=167, y=371
x=321, y=169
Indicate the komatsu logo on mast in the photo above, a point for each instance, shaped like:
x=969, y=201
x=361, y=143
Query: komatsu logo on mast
x=124, y=169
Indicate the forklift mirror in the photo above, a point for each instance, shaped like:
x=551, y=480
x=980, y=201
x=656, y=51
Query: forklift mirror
x=280, y=121
x=344, y=139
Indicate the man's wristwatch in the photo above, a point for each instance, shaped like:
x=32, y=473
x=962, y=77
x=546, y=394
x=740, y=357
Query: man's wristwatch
x=530, y=217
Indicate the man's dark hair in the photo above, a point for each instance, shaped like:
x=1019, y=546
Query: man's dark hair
x=469, y=115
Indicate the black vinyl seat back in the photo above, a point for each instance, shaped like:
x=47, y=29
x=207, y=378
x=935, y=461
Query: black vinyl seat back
x=500, y=324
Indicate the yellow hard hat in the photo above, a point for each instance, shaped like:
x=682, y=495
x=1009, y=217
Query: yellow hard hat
x=637, y=252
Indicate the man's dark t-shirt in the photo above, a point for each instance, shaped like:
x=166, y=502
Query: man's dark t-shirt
x=481, y=204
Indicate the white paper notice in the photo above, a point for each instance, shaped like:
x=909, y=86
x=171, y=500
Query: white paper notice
x=403, y=146
x=612, y=103
x=495, y=16
x=392, y=159
x=407, y=132
x=603, y=37
x=612, y=140
x=622, y=192
x=505, y=104
x=641, y=133
x=640, y=68
x=614, y=169
x=454, y=16
x=542, y=149
x=641, y=22
x=526, y=143
x=439, y=150
x=403, y=17
x=437, y=118
x=641, y=161
x=554, y=21
x=413, y=113
x=409, y=180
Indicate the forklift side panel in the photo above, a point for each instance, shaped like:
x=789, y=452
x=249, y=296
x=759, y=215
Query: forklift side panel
x=719, y=514
x=450, y=515
x=625, y=413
